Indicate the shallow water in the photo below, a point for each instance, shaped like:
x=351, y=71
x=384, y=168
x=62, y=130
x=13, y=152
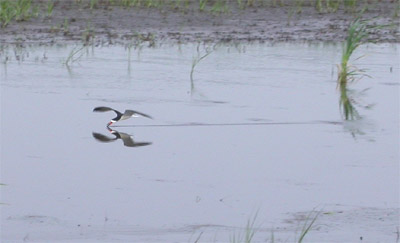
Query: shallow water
x=258, y=130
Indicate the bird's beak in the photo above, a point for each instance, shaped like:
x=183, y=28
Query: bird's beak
x=108, y=124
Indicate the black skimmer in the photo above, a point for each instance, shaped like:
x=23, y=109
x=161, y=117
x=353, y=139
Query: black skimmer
x=120, y=116
x=126, y=138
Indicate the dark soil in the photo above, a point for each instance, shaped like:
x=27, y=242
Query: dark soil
x=74, y=21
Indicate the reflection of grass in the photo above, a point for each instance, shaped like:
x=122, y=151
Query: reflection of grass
x=346, y=104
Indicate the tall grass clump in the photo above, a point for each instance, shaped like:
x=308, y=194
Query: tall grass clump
x=356, y=35
x=7, y=12
x=19, y=10
x=22, y=10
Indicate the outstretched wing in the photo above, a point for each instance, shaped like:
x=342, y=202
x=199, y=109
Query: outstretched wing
x=127, y=139
x=104, y=109
x=129, y=113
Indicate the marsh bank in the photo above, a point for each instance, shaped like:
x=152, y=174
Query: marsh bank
x=106, y=22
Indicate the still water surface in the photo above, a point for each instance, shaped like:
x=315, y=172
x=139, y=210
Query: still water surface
x=258, y=130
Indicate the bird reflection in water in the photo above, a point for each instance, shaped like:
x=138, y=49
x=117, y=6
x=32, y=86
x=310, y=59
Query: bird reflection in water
x=126, y=138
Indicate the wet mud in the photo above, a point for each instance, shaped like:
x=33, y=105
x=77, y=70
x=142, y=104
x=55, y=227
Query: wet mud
x=108, y=24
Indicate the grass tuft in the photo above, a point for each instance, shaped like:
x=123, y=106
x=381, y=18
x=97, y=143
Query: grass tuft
x=49, y=8
x=308, y=223
x=20, y=10
x=358, y=34
x=249, y=233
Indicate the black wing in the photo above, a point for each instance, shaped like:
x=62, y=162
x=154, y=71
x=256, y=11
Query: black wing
x=104, y=109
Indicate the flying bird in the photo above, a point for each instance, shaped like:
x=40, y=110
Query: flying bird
x=120, y=116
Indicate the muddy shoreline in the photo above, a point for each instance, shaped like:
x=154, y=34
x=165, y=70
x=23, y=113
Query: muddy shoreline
x=105, y=24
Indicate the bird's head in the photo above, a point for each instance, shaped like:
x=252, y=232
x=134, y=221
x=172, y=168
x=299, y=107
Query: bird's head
x=111, y=122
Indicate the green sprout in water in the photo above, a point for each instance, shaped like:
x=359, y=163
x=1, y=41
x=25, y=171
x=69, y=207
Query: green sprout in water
x=251, y=229
x=308, y=223
x=196, y=61
x=249, y=233
x=75, y=54
x=358, y=33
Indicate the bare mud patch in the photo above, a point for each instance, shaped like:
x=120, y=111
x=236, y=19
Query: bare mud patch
x=109, y=24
